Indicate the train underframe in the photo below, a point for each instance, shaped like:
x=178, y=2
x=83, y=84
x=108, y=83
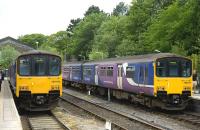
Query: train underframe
x=163, y=100
x=37, y=102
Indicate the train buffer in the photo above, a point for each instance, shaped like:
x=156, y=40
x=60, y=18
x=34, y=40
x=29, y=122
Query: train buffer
x=9, y=117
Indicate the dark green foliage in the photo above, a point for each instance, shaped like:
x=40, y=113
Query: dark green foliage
x=92, y=9
x=33, y=39
x=72, y=25
x=7, y=55
x=60, y=41
x=83, y=37
x=121, y=9
x=177, y=26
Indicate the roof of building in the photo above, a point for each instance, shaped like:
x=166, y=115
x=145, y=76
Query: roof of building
x=21, y=47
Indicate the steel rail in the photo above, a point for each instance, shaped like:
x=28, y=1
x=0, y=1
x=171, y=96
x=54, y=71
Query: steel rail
x=131, y=117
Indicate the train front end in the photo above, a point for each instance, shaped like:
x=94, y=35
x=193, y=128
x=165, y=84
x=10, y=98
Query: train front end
x=173, y=82
x=38, y=81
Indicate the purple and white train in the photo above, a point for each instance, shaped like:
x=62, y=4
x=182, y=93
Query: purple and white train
x=163, y=80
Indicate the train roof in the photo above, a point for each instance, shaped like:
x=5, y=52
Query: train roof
x=128, y=59
x=36, y=52
x=75, y=63
x=136, y=58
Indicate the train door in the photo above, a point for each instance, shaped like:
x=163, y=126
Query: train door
x=119, y=77
x=96, y=75
x=146, y=74
x=70, y=74
x=141, y=74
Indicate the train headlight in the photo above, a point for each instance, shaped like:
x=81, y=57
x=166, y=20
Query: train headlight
x=161, y=88
x=23, y=88
x=186, y=88
x=55, y=87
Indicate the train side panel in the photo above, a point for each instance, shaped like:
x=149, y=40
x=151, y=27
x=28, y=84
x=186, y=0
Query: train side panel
x=89, y=74
x=139, y=78
x=76, y=73
x=107, y=75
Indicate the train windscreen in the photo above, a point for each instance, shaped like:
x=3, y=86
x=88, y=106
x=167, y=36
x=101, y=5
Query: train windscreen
x=39, y=65
x=173, y=67
x=25, y=66
x=54, y=65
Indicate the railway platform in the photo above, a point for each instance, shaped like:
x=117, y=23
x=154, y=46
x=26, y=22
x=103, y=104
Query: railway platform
x=9, y=117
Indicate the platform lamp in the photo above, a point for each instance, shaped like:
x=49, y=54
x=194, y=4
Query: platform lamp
x=37, y=44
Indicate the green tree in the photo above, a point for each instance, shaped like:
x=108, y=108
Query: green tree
x=110, y=35
x=177, y=26
x=97, y=55
x=60, y=41
x=120, y=9
x=33, y=40
x=72, y=25
x=141, y=15
x=92, y=9
x=7, y=56
x=84, y=33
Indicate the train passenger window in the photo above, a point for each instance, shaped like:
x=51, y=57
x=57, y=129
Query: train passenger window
x=75, y=71
x=39, y=65
x=54, y=66
x=173, y=69
x=103, y=71
x=87, y=71
x=110, y=71
x=24, y=66
x=161, y=68
x=130, y=71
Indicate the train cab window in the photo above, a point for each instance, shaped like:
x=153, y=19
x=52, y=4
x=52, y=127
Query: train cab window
x=186, y=69
x=39, y=65
x=173, y=69
x=24, y=66
x=161, y=68
x=130, y=71
x=54, y=66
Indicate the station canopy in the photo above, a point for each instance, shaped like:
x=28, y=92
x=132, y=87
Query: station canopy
x=19, y=46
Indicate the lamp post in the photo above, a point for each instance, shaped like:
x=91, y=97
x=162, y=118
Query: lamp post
x=37, y=44
x=157, y=51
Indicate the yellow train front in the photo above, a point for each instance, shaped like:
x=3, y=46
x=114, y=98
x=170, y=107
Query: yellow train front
x=173, y=82
x=36, y=80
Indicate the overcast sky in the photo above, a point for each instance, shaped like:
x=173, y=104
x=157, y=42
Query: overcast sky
x=20, y=17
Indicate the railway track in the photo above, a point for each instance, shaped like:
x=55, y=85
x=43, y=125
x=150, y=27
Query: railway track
x=188, y=117
x=45, y=121
x=121, y=120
